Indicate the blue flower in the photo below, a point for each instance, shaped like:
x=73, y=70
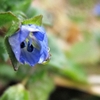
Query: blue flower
x=96, y=10
x=29, y=44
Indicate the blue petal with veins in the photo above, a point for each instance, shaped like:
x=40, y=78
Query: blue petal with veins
x=30, y=44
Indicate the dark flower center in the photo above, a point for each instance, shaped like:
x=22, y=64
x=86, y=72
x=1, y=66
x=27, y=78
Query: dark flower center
x=30, y=47
x=22, y=45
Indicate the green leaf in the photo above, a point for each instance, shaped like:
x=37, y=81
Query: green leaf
x=21, y=16
x=62, y=65
x=35, y=11
x=11, y=31
x=17, y=92
x=35, y=20
x=3, y=53
x=40, y=85
x=7, y=17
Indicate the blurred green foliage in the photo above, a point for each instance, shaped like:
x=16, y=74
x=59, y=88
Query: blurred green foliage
x=85, y=52
x=40, y=84
x=13, y=5
x=16, y=92
x=83, y=3
x=62, y=65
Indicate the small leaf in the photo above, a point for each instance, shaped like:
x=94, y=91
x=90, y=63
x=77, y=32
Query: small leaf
x=7, y=17
x=3, y=53
x=21, y=16
x=35, y=20
x=11, y=31
x=35, y=11
x=16, y=92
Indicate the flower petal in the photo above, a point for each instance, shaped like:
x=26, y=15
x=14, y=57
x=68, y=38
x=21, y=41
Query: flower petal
x=31, y=28
x=31, y=58
x=24, y=32
x=16, y=39
x=38, y=35
x=43, y=57
x=44, y=44
x=44, y=50
x=15, y=44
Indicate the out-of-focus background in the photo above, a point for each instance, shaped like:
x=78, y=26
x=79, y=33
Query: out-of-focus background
x=73, y=72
